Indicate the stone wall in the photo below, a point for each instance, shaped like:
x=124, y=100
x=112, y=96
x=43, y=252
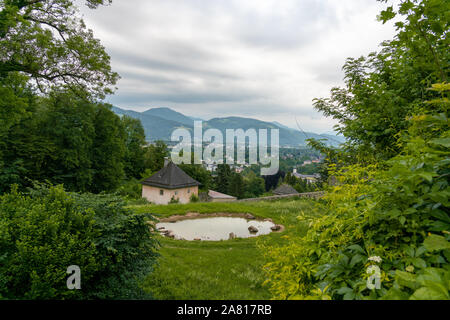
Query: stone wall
x=313, y=195
x=203, y=197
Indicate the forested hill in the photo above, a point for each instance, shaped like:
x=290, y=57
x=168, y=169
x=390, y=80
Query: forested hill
x=159, y=123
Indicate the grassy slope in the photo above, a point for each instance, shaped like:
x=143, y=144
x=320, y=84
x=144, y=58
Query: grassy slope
x=224, y=269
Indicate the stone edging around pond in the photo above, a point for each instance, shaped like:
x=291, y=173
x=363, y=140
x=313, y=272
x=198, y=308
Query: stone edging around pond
x=196, y=215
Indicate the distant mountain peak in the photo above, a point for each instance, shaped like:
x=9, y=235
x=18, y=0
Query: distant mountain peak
x=169, y=114
x=159, y=123
x=159, y=108
x=281, y=125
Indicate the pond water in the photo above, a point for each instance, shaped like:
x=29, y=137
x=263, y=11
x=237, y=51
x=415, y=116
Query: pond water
x=215, y=228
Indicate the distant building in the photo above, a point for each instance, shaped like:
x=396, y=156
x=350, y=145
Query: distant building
x=285, y=189
x=169, y=183
x=214, y=196
x=309, y=178
x=211, y=167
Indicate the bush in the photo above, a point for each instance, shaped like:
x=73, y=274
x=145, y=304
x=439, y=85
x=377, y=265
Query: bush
x=393, y=215
x=138, y=202
x=47, y=230
x=193, y=198
x=131, y=189
x=174, y=200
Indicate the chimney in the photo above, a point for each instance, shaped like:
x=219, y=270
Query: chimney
x=166, y=161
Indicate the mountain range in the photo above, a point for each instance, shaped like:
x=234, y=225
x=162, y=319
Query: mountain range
x=159, y=123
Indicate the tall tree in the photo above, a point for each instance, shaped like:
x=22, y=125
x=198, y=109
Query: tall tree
x=236, y=185
x=108, y=150
x=254, y=185
x=48, y=41
x=272, y=181
x=155, y=154
x=68, y=127
x=16, y=102
x=44, y=44
x=385, y=88
x=199, y=173
x=223, y=177
x=134, y=157
x=15, y=97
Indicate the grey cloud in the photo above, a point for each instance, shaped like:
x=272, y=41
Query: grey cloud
x=329, y=72
x=149, y=63
x=228, y=57
x=304, y=24
x=147, y=78
x=178, y=97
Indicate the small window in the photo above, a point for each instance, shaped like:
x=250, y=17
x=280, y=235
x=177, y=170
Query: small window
x=161, y=192
x=176, y=192
x=189, y=190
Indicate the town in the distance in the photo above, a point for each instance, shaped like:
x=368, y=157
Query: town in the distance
x=299, y=165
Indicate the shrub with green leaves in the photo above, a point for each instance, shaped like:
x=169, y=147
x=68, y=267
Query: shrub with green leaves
x=130, y=189
x=174, y=200
x=193, y=198
x=394, y=215
x=46, y=230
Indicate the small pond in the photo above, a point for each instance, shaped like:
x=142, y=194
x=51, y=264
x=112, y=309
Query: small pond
x=215, y=228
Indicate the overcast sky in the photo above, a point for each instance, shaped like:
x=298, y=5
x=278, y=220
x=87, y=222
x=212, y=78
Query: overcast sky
x=265, y=59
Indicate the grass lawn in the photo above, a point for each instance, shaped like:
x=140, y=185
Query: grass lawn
x=222, y=270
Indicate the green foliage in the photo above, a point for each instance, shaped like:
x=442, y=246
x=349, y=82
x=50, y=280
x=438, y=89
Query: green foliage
x=62, y=136
x=301, y=185
x=397, y=211
x=154, y=156
x=126, y=247
x=388, y=203
x=49, y=42
x=246, y=185
x=66, y=140
x=294, y=158
x=198, y=173
x=15, y=98
x=134, y=159
x=47, y=230
x=254, y=186
x=130, y=189
x=174, y=200
x=385, y=88
x=223, y=177
x=236, y=185
x=40, y=238
x=108, y=150
x=65, y=137
x=193, y=198
x=66, y=126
